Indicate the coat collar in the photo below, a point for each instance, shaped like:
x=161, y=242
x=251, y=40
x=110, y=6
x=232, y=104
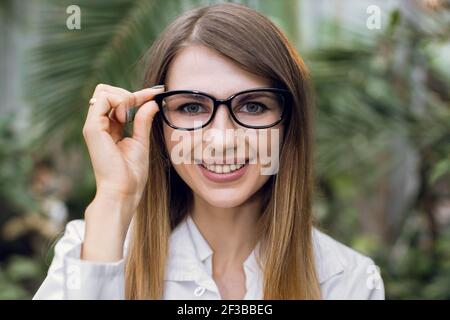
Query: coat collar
x=188, y=251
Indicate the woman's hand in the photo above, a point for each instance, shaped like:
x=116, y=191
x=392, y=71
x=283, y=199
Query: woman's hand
x=120, y=166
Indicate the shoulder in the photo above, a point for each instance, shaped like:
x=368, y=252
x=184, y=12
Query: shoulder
x=343, y=272
x=332, y=251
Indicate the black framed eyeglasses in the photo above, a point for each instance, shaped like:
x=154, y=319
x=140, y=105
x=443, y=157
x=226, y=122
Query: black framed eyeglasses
x=257, y=108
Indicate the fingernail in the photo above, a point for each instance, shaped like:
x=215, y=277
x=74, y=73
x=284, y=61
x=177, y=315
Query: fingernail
x=160, y=86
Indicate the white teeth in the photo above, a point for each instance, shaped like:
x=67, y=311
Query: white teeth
x=225, y=168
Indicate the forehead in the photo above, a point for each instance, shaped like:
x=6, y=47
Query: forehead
x=201, y=68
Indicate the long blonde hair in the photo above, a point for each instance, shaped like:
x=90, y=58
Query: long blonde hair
x=252, y=41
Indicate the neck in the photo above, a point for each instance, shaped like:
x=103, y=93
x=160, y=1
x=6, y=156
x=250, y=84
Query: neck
x=230, y=232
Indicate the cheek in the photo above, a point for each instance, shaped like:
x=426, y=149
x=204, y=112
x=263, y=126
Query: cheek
x=268, y=150
x=179, y=145
x=168, y=138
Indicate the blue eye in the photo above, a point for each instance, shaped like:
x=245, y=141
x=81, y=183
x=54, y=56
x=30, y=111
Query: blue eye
x=191, y=108
x=253, y=108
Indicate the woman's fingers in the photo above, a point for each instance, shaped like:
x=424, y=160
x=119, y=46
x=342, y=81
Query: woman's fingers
x=112, y=89
x=144, y=116
x=141, y=97
x=143, y=122
x=116, y=130
x=108, y=113
x=146, y=94
x=127, y=100
x=111, y=98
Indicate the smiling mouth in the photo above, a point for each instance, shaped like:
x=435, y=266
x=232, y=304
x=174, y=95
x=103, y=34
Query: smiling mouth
x=222, y=173
x=223, y=168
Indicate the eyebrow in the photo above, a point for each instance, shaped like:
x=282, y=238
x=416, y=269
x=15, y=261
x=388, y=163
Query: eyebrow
x=255, y=94
x=250, y=95
x=194, y=94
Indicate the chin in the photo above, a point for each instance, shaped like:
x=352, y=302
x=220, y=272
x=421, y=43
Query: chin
x=225, y=198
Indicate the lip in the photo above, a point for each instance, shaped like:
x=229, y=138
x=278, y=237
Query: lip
x=223, y=161
x=223, y=177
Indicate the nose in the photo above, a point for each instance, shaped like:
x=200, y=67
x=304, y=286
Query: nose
x=222, y=119
x=219, y=139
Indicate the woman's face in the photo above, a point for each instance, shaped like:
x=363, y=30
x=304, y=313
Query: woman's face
x=216, y=176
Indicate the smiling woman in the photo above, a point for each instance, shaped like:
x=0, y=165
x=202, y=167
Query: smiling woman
x=214, y=228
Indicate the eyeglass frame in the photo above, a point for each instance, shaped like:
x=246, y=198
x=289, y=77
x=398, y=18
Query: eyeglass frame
x=227, y=102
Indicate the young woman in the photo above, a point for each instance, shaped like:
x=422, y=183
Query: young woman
x=166, y=224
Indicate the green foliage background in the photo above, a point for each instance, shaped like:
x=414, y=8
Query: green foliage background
x=382, y=124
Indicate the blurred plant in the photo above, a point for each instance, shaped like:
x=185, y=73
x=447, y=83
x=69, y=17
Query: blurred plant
x=383, y=146
x=18, y=276
x=15, y=169
x=20, y=267
x=382, y=121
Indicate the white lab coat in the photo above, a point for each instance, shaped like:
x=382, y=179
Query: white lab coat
x=343, y=273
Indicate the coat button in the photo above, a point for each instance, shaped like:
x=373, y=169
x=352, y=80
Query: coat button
x=199, y=291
